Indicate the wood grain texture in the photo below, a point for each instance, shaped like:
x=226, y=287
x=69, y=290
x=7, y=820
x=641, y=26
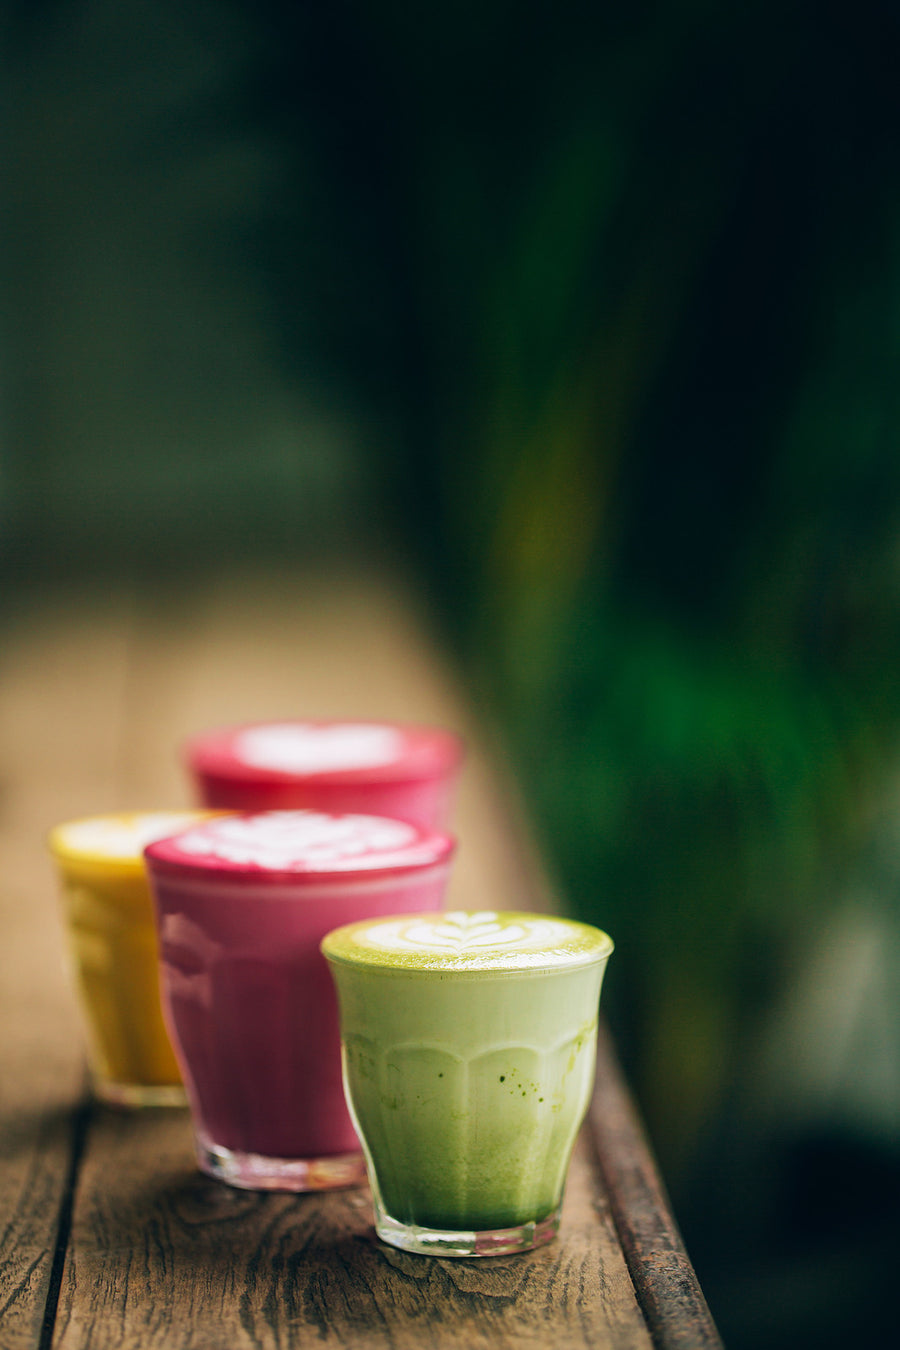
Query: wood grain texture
x=61, y=683
x=667, y=1287
x=161, y=1257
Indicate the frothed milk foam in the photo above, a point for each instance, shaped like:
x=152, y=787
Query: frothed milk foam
x=390, y=769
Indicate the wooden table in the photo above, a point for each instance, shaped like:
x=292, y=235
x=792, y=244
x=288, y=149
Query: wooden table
x=109, y=1236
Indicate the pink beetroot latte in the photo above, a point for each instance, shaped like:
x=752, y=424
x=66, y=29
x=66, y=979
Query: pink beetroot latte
x=242, y=904
x=372, y=768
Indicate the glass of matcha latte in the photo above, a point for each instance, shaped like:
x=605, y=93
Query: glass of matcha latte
x=468, y=1045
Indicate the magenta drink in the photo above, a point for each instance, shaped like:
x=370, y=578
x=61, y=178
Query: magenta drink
x=242, y=904
x=370, y=768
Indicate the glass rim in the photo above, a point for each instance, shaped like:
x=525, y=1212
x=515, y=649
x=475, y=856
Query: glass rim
x=596, y=949
x=431, y=754
x=70, y=856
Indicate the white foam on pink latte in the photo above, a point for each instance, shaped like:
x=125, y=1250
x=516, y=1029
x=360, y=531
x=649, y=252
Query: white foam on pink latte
x=297, y=747
x=303, y=840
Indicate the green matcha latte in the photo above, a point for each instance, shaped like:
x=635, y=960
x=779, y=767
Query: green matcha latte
x=469, y=1045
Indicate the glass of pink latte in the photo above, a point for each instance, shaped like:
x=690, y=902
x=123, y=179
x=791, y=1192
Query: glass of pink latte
x=242, y=903
x=372, y=768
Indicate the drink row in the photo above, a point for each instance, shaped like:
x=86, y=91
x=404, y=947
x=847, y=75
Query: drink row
x=280, y=959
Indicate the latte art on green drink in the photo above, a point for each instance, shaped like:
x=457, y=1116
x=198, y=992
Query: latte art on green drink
x=458, y=932
x=477, y=941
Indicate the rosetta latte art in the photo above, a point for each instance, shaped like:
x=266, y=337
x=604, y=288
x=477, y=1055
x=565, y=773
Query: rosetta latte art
x=462, y=932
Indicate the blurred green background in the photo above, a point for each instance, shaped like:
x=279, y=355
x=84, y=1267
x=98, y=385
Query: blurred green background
x=590, y=316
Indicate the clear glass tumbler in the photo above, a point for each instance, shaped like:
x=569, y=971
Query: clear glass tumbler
x=469, y=1045
x=243, y=903
x=108, y=915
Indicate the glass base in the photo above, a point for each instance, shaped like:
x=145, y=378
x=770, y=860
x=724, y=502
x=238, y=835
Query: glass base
x=255, y=1172
x=489, y=1242
x=139, y=1094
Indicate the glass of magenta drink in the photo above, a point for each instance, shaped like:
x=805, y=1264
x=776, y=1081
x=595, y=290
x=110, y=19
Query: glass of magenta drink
x=370, y=768
x=243, y=903
x=108, y=914
x=469, y=1044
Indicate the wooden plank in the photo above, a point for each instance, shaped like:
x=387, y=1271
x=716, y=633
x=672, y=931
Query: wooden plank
x=670, y=1296
x=61, y=682
x=94, y=700
x=163, y=1257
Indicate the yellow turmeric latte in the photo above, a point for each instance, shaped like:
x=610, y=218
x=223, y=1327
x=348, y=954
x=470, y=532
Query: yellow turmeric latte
x=108, y=917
